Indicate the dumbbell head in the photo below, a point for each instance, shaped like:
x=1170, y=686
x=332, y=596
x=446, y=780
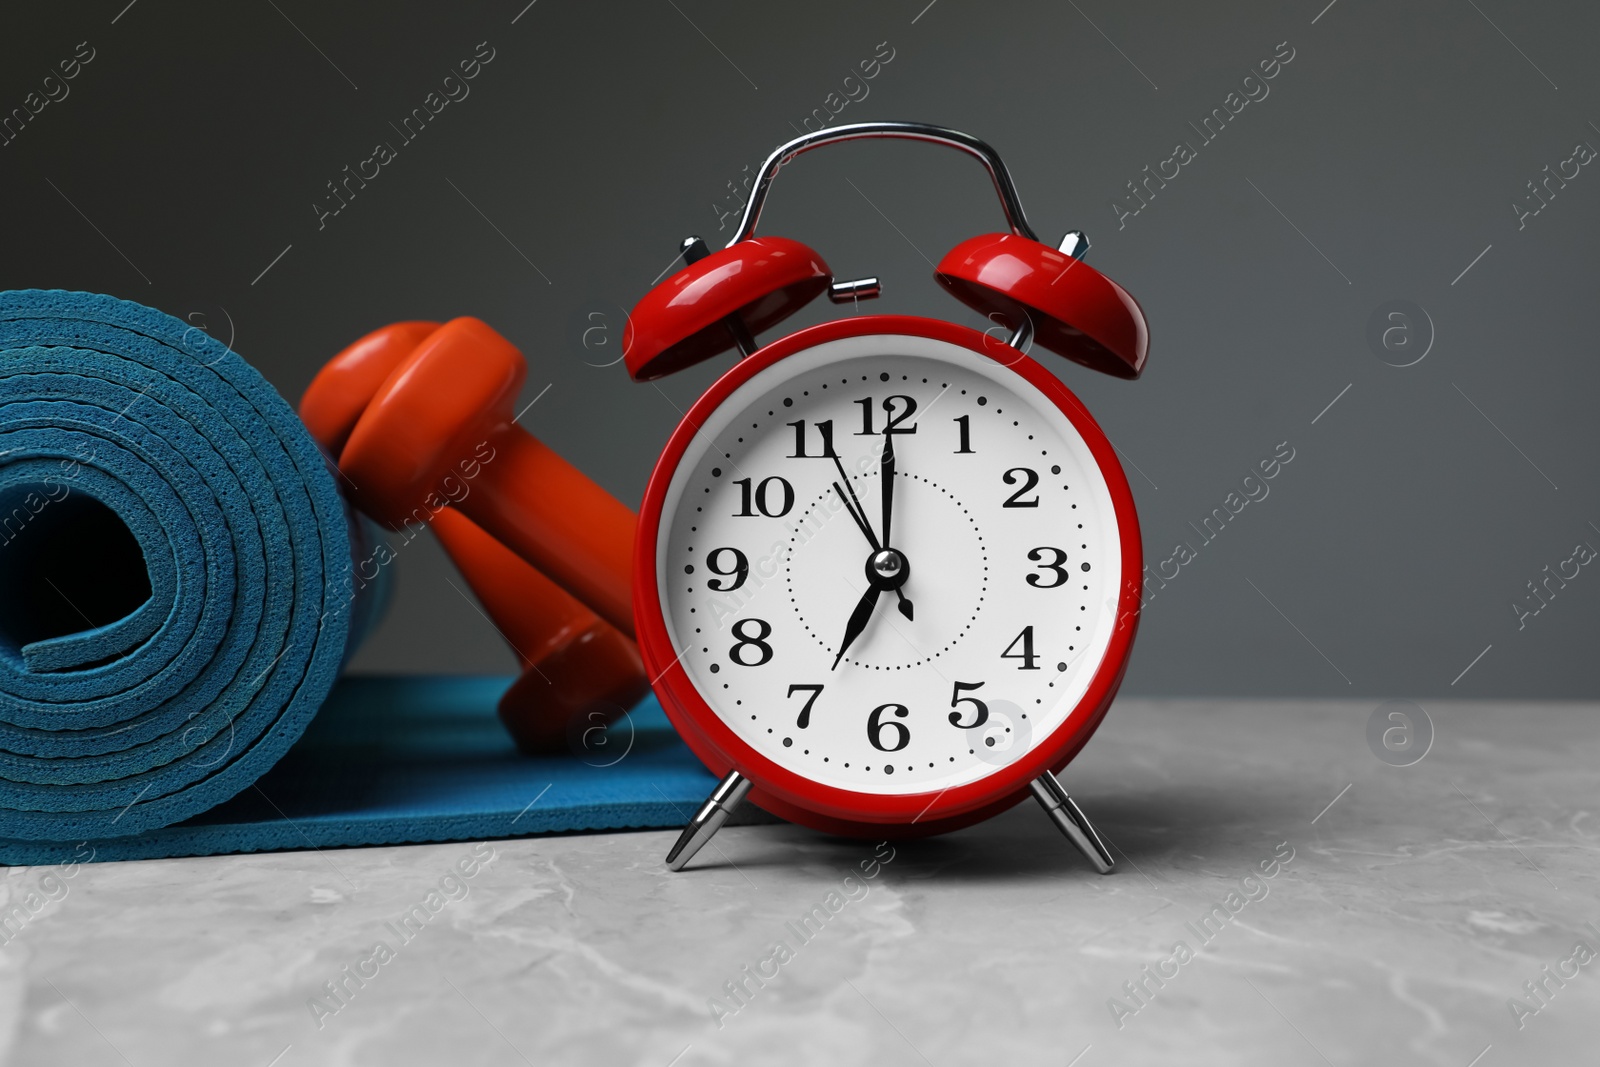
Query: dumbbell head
x=336, y=398
x=452, y=392
x=563, y=703
x=578, y=672
x=439, y=431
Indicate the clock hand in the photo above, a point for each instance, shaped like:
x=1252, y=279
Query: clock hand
x=886, y=476
x=905, y=604
x=847, y=496
x=859, y=513
x=859, y=521
x=858, y=621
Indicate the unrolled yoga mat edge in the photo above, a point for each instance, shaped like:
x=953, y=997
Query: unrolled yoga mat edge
x=399, y=760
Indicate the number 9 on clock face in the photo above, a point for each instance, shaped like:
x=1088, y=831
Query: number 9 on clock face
x=888, y=563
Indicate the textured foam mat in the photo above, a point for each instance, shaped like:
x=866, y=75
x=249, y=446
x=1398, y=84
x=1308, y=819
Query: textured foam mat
x=391, y=760
x=176, y=594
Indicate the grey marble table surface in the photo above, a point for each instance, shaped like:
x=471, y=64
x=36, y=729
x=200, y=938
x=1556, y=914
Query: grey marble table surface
x=1282, y=896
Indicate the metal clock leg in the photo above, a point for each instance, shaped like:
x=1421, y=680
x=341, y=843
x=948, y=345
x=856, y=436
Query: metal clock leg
x=727, y=796
x=1066, y=814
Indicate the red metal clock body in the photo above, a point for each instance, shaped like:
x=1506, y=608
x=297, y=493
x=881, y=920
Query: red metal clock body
x=826, y=807
x=888, y=569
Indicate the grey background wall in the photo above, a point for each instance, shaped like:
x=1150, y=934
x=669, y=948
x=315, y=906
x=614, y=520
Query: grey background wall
x=183, y=164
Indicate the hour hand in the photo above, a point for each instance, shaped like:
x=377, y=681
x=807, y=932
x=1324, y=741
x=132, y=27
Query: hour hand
x=858, y=621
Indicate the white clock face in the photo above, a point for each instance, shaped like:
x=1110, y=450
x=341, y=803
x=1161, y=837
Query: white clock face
x=1002, y=538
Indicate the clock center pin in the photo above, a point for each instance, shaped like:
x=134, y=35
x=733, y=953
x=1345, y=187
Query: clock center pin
x=888, y=569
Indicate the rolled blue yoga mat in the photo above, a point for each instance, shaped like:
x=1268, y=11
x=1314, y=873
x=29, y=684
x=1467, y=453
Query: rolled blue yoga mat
x=176, y=602
x=176, y=592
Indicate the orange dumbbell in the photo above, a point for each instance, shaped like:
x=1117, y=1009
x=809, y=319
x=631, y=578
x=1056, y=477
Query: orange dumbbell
x=439, y=430
x=578, y=672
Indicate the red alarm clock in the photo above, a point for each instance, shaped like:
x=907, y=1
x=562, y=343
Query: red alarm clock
x=888, y=568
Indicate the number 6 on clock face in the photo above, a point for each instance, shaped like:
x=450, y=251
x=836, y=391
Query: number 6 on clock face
x=889, y=569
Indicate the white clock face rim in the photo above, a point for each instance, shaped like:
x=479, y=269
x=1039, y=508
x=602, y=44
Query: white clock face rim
x=805, y=577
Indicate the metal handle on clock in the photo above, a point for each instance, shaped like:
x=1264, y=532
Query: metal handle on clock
x=1074, y=243
x=1010, y=202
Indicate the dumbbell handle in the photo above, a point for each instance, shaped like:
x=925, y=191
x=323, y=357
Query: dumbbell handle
x=567, y=527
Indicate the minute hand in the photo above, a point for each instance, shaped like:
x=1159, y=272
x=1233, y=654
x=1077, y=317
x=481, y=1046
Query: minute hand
x=886, y=476
x=886, y=468
x=861, y=524
x=847, y=495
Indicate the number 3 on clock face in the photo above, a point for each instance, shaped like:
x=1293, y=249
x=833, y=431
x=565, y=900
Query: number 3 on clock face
x=891, y=566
